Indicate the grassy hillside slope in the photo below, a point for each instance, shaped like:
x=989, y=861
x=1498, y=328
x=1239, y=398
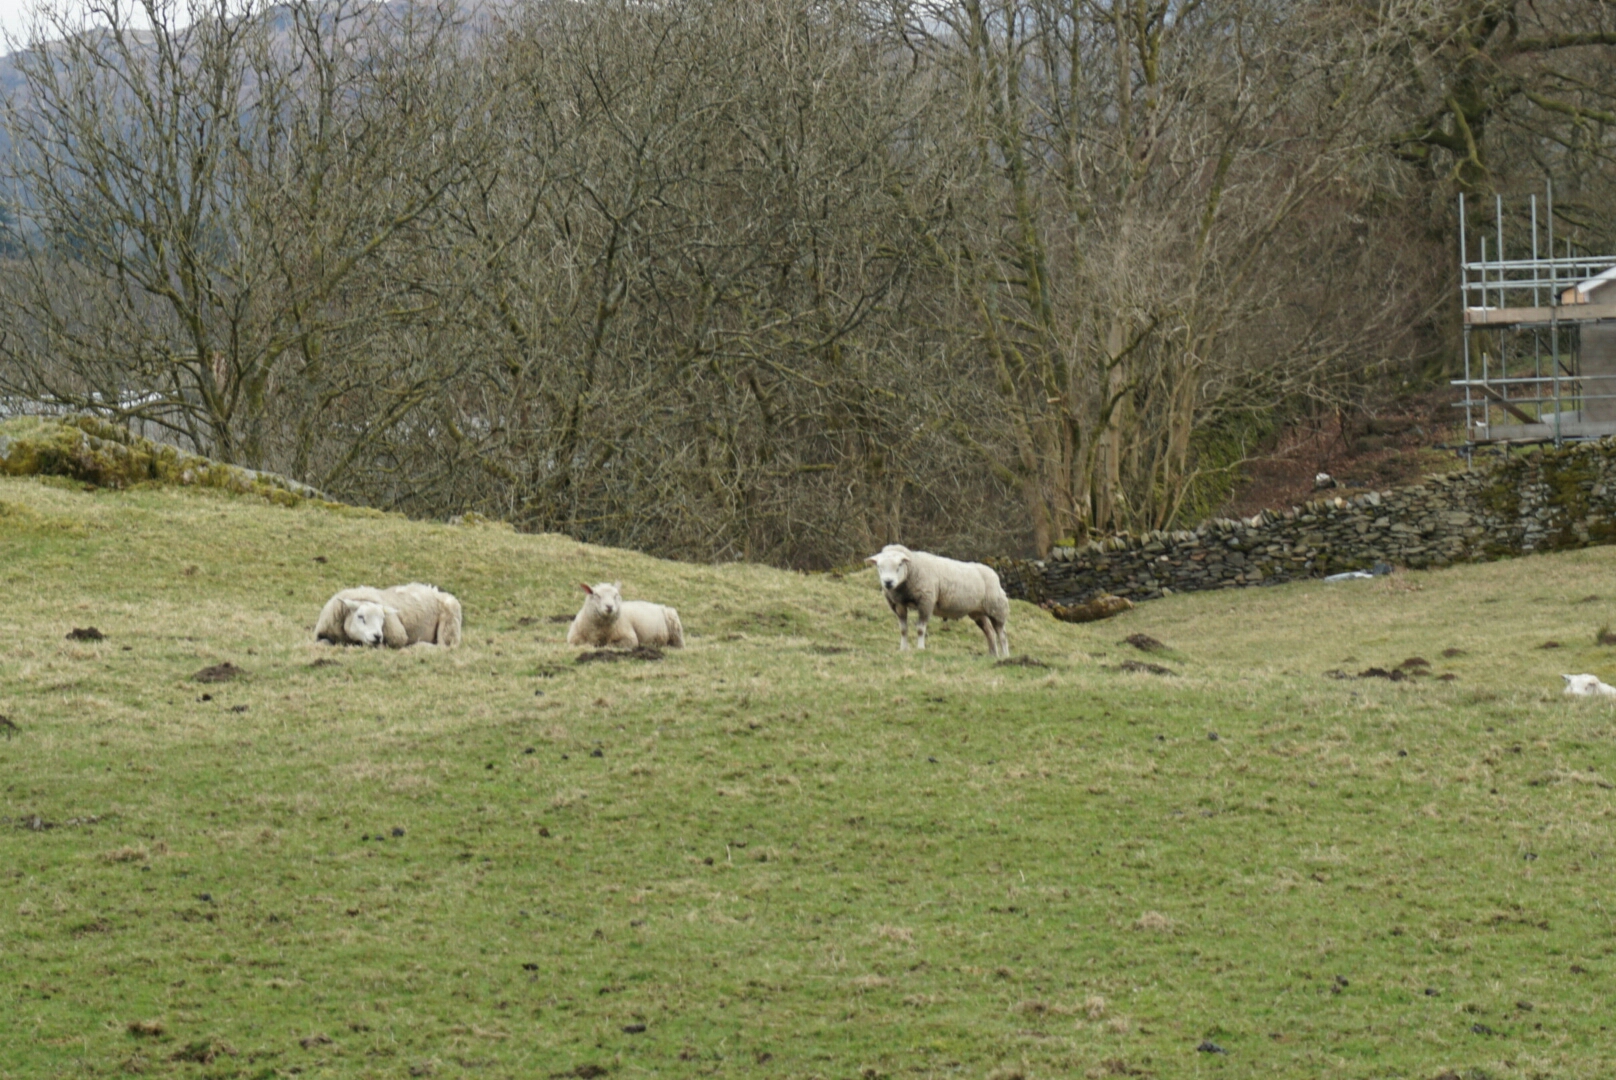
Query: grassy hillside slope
x=786, y=850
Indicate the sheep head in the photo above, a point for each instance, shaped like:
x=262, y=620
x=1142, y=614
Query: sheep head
x=1587, y=686
x=892, y=564
x=364, y=622
x=606, y=598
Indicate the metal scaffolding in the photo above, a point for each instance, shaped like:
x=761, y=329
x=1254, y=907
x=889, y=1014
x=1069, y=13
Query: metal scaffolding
x=1539, y=336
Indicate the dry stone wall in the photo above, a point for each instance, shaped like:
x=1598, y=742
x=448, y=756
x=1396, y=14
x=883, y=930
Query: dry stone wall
x=1548, y=500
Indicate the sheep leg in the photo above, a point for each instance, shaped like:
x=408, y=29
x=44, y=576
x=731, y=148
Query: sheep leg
x=1004, y=639
x=903, y=627
x=924, y=616
x=985, y=624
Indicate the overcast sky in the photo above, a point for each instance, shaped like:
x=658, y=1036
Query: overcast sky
x=13, y=17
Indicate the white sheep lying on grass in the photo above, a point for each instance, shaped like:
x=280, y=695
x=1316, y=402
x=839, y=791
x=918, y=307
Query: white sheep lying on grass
x=412, y=614
x=932, y=585
x=607, y=619
x=1587, y=686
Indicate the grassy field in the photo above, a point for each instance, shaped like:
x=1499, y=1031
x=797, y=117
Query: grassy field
x=786, y=850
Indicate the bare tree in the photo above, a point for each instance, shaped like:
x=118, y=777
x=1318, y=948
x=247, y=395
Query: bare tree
x=769, y=279
x=207, y=204
x=1146, y=162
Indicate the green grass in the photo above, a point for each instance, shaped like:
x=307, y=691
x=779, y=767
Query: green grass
x=786, y=860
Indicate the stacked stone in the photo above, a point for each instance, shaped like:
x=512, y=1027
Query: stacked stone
x=1548, y=500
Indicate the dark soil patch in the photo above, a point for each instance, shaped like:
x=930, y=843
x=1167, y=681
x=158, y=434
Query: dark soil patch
x=558, y=619
x=550, y=671
x=828, y=650
x=1145, y=643
x=1102, y=607
x=1549, y=645
x=1140, y=665
x=1451, y=653
x=87, y=633
x=1021, y=661
x=35, y=823
x=1605, y=636
x=219, y=673
x=7, y=728
x=1587, y=600
x=324, y=662
x=204, y=1052
x=1404, y=672
x=611, y=656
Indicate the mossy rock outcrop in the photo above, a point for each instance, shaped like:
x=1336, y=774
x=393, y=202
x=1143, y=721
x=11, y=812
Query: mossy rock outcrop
x=96, y=452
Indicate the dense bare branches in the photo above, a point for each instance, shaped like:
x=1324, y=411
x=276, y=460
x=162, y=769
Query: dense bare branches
x=213, y=200
x=774, y=279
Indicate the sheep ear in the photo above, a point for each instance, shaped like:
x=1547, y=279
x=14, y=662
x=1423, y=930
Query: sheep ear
x=586, y=588
x=1567, y=678
x=393, y=632
x=618, y=585
x=329, y=625
x=870, y=560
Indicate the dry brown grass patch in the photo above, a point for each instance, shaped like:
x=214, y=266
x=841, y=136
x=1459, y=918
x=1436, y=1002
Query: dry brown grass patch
x=131, y=853
x=1154, y=922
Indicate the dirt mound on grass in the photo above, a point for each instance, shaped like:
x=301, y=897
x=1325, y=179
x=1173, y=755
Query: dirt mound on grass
x=611, y=656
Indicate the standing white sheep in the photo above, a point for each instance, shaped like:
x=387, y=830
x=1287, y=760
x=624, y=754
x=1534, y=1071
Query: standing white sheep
x=607, y=619
x=932, y=584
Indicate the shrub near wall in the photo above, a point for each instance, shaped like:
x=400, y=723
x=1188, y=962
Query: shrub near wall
x=1548, y=500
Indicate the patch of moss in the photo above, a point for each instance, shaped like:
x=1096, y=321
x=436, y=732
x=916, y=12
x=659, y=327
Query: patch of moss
x=93, y=451
x=19, y=518
x=1502, y=496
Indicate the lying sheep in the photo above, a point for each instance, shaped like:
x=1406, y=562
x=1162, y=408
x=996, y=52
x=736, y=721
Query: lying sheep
x=932, y=584
x=412, y=614
x=1587, y=686
x=607, y=619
